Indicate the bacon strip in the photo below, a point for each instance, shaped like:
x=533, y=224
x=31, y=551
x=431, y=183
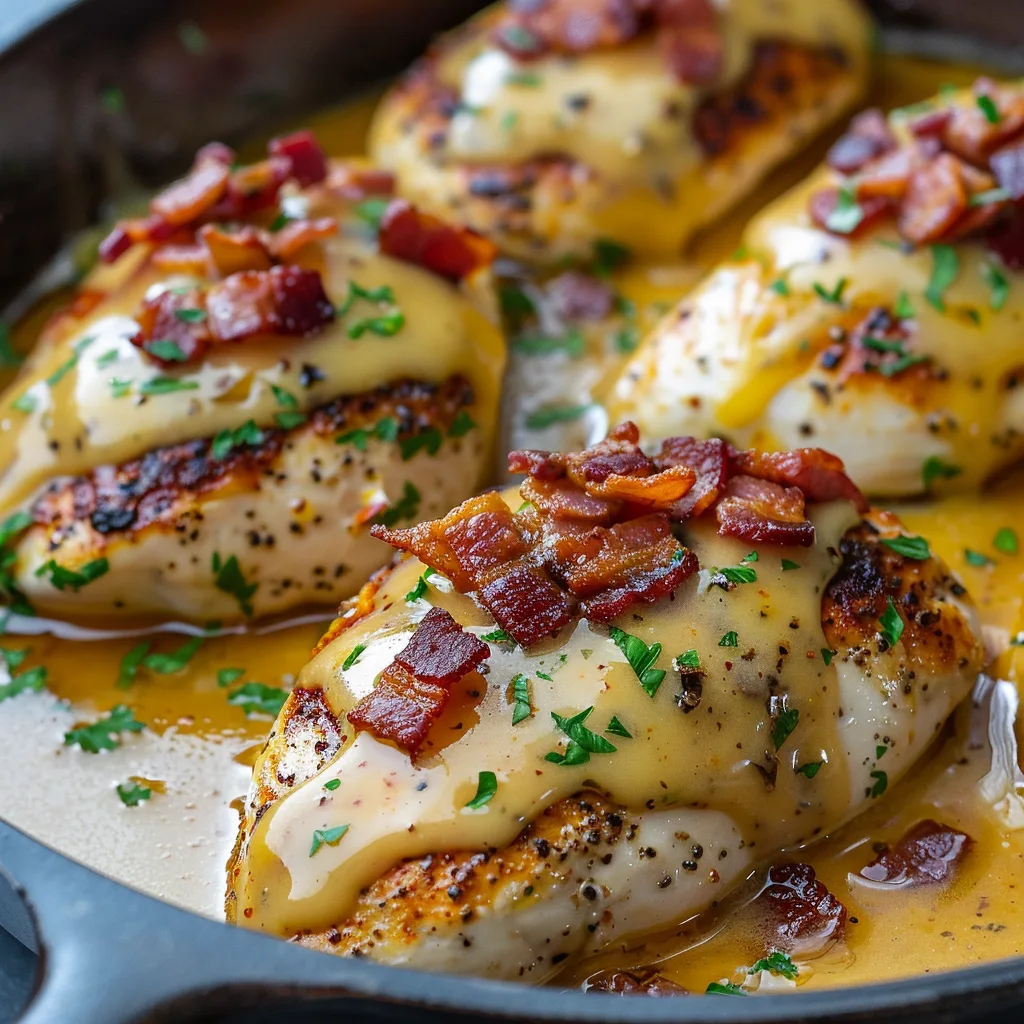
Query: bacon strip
x=764, y=513
x=414, y=689
x=801, y=914
x=928, y=853
x=421, y=238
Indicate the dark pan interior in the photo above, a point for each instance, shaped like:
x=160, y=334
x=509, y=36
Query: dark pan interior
x=96, y=94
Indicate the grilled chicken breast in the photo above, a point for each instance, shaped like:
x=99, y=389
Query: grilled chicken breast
x=874, y=310
x=217, y=421
x=642, y=703
x=551, y=127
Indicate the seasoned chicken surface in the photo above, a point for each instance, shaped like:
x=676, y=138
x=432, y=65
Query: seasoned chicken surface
x=553, y=127
x=874, y=310
x=214, y=425
x=599, y=712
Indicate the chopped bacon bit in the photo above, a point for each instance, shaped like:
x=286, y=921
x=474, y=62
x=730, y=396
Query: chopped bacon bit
x=231, y=252
x=690, y=39
x=183, y=259
x=116, y=244
x=646, y=982
x=253, y=188
x=887, y=177
x=1008, y=167
x=187, y=199
x=868, y=136
x=527, y=604
x=413, y=690
x=577, y=296
x=486, y=539
x=281, y=301
x=562, y=499
x=217, y=152
x=540, y=465
x=971, y=135
x=354, y=183
x=710, y=462
x=929, y=852
x=307, y=159
x=931, y=124
x=935, y=200
x=802, y=915
x=818, y=473
x=764, y=513
x=825, y=201
x=566, y=26
x=400, y=708
x=420, y=238
x=159, y=321
x=1007, y=241
x=284, y=244
x=440, y=651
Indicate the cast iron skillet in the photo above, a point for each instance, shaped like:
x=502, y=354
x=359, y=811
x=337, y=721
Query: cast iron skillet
x=97, y=92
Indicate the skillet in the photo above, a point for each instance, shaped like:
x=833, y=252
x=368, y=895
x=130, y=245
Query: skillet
x=80, y=947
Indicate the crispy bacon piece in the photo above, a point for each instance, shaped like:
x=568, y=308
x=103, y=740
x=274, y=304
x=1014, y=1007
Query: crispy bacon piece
x=690, y=39
x=818, y=473
x=1007, y=165
x=353, y=182
x=970, y=134
x=825, y=201
x=420, y=238
x=178, y=316
x=185, y=200
x=1007, y=241
x=764, y=513
x=709, y=461
x=801, y=914
x=284, y=244
x=308, y=164
x=562, y=499
x=281, y=301
x=414, y=689
x=935, y=200
x=533, y=27
x=646, y=982
x=929, y=852
x=867, y=137
x=231, y=252
x=183, y=259
x=527, y=604
x=888, y=177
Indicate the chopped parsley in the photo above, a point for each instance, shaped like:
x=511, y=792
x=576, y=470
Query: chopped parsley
x=332, y=785
x=255, y=698
x=904, y=308
x=730, y=639
x=26, y=403
x=63, y=578
x=168, y=351
x=717, y=988
x=166, y=386
x=641, y=658
x=909, y=547
x=119, y=388
x=847, y=213
x=486, y=787
x=387, y=325
x=988, y=107
x=543, y=418
x=13, y=525
x=521, y=706
x=1006, y=541
x=945, y=268
x=497, y=636
x=827, y=656
x=582, y=742
x=998, y=285
x=430, y=439
x=31, y=681
x=738, y=574
x=891, y=623
x=462, y=424
x=784, y=725
x=976, y=558
x=788, y=565
x=421, y=586
x=880, y=751
x=353, y=656
x=616, y=728
x=168, y=664
x=9, y=359
x=810, y=769
x=289, y=420
x=688, y=659
x=226, y=440
x=65, y=368
x=835, y=296
x=515, y=303
x=526, y=78
x=130, y=665
x=326, y=837
x=372, y=211
x=13, y=659
x=776, y=962
x=132, y=794
x=283, y=397
x=780, y=286
x=535, y=344
x=751, y=556
x=407, y=507
x=881, y=783
x=935, y=468
x=385, y=430
x=103, y=734
x=226, y=676
x=228, y=577
x=108, y=357
x=509, y=120
x=609, y=255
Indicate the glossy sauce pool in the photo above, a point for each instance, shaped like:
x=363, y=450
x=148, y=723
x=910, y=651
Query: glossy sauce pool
x=196, y=753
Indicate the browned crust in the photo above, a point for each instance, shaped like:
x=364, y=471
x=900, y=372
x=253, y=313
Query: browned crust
x=127, y=498
x=434, y=892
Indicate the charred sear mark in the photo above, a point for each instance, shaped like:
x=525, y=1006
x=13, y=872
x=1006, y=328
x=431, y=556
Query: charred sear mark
x=137, y=494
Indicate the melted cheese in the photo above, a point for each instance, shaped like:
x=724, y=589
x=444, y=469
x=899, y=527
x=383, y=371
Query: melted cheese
x=396, y=808
x=636, y=125
x=78, y=424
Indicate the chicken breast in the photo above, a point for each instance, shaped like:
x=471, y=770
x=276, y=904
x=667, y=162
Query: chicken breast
x=217, y=399
x=873, y=311
x=553, y=127
x=642, y=703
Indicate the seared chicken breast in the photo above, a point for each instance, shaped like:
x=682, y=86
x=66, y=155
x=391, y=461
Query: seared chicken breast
x=874, y=310
x=587, y=710
x=278, y=357
x=553, y=127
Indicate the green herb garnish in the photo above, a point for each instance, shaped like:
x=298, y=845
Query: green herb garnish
x=226, y=676
x=103, y=735
x=430, y=439
x=998, y=285
x=909, y=547
x=582, y=743
x=571, y=343
x=827, y=656
x=847, y=213
x=168, y=664
x=132, y=794
x=31, y=681
x=521, y=706
x=166, y=386
x=716, y=988
x=71, y=579
x=881, y=783
x=332, y=785
x=935, y=468
x=1006, y=541
x=945, y=268
x=891, y=623
x=976, y=558
x=353, y=656
x=543, y=418
x=810, y=769
x=730, y=639
x=616, y=728
x=835, y=296
x=641, y=658
x=226, y=440
x=385, y=430
x=784, y=725
x=327, y=837
x=486, y=787
x=497, y=636
x=228, y=577
x=988, y=107
x=406, y=507
x=255, y=698
x=776, y=962
x=421, y=586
